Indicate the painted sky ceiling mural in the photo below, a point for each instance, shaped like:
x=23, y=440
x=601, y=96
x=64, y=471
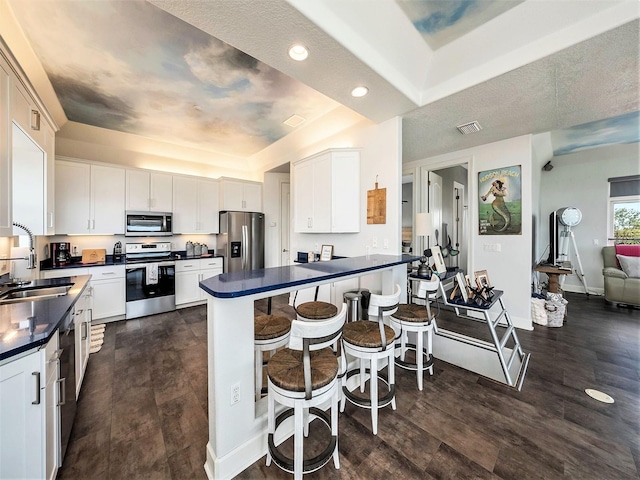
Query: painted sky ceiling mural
x=131, y=67
x=442, y=21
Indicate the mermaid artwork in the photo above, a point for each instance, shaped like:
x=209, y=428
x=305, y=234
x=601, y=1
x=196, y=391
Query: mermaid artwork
x=499, y=191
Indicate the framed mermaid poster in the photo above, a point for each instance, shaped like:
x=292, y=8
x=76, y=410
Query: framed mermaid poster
x=500, y=202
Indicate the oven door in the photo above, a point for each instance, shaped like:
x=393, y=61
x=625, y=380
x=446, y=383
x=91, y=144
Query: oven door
x=149, y=291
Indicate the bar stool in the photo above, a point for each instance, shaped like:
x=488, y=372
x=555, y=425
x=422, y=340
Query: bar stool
x=371, y=340
x=314, y=310
x=419, y=320
x=270, y=333
x=301, y=377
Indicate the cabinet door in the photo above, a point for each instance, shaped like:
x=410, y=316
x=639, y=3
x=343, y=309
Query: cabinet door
x=21, y=417
x=252, y=197
x=160, y=192
x=232, y=195
x=208, y=220
x=82, y=321
x=185, y=198
x=29, y=186
x=303, y=196
x=73, y=197
x=322, y=194
x=187, y=289
x=50, y=162
x=137, y=191
x=345, y=192
x=52, y=410
x=108, y=297
x=208, y=273
x=6, y=229
x=107, y=200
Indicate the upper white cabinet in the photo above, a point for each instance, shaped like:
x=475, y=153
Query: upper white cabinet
x=6, y=228
x=149, y=191
x=326, y=192
x=50, y=197
x=28, y=165
x=239, y=195
x=90, y=199
x=195, y=205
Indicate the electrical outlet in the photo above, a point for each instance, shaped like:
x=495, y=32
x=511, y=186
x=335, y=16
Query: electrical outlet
x=235, y=393
x=374, y=242
x=75, y=250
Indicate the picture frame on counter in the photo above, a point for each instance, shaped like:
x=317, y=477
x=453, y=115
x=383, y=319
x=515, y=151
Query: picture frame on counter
x=438, y=259
x=326, y=253
x=482, y=279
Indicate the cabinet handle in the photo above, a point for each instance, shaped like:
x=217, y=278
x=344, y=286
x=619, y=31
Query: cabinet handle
x=37, y=400
x=89, y=224
x=93, y=224
x=84, y=330
x=63, y=391
x=35, y=119
x=108, y=273
x=50, y=220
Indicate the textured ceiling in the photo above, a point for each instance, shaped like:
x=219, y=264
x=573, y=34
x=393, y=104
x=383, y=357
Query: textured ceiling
x=524, y=67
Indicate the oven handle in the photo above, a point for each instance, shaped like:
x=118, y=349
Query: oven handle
x=136, y=266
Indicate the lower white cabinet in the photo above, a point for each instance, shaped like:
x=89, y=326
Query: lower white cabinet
x=108, y=287
x=82, y=321
x=29, y=417
x=189, y=273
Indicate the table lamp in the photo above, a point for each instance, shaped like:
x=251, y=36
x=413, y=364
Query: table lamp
x=424, y=227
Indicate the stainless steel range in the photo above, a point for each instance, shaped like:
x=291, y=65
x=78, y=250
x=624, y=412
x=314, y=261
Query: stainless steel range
x=151, y=279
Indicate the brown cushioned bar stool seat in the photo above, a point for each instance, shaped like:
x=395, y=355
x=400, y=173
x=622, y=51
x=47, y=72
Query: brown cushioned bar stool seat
x=417, y=319
x=301, y=378
x=368, y=341
x=317, y=310
x=270, y=332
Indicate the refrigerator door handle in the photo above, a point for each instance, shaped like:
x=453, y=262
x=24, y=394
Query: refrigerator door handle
x=245, y=249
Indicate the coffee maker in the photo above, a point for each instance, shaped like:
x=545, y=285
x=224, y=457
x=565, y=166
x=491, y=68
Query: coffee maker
x=61, y=253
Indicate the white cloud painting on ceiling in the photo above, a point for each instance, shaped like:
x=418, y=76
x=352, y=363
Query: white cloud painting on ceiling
x=131, y=67
x=621, y=129
x=442, y=21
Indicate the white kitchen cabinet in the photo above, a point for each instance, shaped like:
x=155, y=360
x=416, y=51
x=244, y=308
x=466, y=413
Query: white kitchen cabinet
x=50, y=163
x=30, y=415
x=240, y=195
x=28, y=166
x=189, y=274
x=195, y=205
x=89, y=199
x=108, y=287
x=82, y=320
x=25, y=112
x=64, y=272
x=149, y=191
x=6, y=229
x=326, y=192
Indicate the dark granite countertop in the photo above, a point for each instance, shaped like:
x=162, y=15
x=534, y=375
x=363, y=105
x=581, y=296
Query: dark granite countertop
x=41, y=317
x=76, y=262
x=239, y=284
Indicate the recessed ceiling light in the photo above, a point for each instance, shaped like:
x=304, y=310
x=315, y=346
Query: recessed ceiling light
x=298, y=52
x=294, y=120
x=360, y=91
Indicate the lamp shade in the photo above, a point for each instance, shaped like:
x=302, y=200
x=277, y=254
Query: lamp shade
x=424, y=223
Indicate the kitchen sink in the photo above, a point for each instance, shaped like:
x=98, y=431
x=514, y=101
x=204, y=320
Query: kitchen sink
x=31, y=294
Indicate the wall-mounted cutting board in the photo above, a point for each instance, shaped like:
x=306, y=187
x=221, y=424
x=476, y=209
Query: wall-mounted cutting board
x=94, y=255
x=377, y=205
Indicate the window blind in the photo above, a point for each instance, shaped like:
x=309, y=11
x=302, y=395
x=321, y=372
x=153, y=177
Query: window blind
x=624, y=186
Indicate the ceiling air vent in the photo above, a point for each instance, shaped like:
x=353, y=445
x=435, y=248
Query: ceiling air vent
x=467, y=128
x=294, y=120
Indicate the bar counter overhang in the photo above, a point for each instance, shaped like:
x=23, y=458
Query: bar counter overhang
x=237, y=432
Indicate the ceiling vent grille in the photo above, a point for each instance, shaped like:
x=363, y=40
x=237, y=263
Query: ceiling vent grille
x=467, y=128
x=294, y=120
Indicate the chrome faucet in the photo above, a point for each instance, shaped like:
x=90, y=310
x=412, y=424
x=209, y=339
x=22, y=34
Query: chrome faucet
x=31, y=258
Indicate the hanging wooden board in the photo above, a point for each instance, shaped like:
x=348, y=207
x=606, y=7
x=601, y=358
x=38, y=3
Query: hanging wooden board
x=377, y=205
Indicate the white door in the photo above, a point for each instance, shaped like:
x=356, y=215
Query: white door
x=435, y=207
x=285, y=198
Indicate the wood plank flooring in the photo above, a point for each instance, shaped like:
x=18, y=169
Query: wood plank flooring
x=143, y=408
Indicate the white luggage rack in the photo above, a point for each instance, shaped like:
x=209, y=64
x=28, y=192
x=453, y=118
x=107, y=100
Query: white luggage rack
x=480, y=356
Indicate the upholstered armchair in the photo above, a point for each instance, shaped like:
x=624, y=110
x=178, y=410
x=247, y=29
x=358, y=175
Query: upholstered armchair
x=619, y=287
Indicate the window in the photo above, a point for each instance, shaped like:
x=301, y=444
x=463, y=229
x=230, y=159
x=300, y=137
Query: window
x=624, y=210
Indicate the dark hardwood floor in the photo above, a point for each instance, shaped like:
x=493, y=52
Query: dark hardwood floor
x=142, y=412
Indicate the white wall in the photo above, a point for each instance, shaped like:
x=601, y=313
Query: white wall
x=580, y=180
x=510, y=268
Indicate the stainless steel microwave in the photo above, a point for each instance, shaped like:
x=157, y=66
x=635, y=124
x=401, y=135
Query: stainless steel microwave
x=148, y=224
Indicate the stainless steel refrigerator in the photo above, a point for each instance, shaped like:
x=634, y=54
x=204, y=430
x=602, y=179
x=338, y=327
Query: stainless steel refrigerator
x=241, y=240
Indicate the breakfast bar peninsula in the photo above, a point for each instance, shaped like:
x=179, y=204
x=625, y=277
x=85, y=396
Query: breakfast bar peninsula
x=238, y=424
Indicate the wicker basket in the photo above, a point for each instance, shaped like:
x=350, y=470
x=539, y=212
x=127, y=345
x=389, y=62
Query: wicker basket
x=555, y=313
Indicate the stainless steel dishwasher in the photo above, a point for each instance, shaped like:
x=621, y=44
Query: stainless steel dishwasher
x=67, y=395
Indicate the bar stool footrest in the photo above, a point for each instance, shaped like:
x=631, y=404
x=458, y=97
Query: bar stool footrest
x=428, y=362
x=311, y=464
x=366, y=402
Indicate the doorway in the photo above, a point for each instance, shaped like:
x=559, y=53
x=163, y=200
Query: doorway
x=285, y=194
